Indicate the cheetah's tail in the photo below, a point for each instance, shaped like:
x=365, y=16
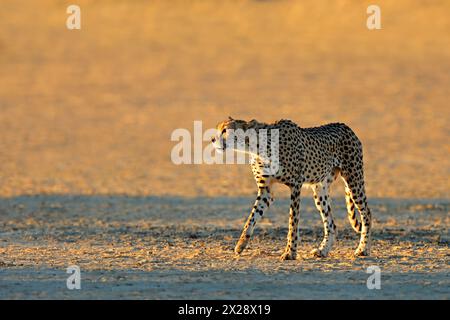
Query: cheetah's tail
x=356, y=225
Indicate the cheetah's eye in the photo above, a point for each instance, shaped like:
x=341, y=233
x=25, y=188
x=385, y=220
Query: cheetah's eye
x=223, y=131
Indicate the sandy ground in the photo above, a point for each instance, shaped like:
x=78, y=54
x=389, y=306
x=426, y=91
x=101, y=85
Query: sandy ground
x=92, y=111
x=86, y=118
x=175, y=248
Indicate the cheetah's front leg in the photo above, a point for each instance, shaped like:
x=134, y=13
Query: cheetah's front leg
x=290, y=253
x=262, y=203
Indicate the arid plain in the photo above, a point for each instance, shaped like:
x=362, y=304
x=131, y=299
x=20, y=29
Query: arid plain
x=86, y=118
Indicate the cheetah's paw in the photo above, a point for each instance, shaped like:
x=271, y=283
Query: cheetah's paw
x=362, y=252
x=288, y=256
x=319, y=253
x=240, y=246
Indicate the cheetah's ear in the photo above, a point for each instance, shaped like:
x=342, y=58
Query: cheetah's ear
x=252, y=123
x=230, y=118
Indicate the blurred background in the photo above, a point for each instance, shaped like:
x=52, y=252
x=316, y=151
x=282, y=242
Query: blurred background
x=91, y=111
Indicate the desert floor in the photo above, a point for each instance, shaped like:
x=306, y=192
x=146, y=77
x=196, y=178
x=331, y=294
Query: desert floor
x=175, y=248
x=86, y=118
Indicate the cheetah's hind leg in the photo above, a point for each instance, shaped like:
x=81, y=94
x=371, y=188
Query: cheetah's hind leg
x=323, y=203
x=357, y=194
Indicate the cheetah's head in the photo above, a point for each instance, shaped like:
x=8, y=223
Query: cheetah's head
x=234, y=134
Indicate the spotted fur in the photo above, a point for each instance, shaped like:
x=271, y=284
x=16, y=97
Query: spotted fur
x=314, y=157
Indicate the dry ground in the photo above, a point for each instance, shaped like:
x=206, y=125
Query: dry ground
x=159, y=248
x=92, y=111
x=85, y=124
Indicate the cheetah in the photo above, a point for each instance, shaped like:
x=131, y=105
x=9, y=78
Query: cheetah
x=311, y=157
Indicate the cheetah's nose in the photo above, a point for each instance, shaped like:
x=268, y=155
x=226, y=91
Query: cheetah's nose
x=213, y=139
